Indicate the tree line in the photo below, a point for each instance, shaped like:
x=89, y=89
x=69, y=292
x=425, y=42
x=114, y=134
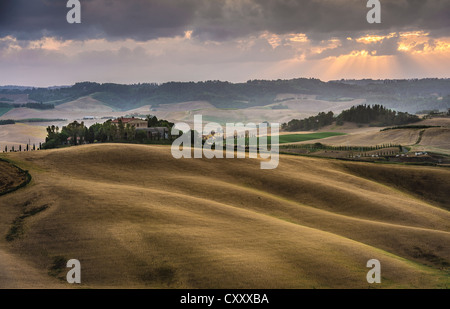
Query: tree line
x=377, y=115
x=374, y=115
x=320, y=146
x=39, y=106
x=20, y=148
x=6, y=122
x=76, y=133
x=409, y=95
x=311, y=123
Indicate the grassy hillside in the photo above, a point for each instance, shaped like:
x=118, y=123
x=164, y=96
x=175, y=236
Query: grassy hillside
x=4, y=110
x=136, y=217
x=294, y=138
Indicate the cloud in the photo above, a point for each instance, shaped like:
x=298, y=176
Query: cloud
x=162, y=40
x=110, y=19
x=216, y=20
x=373, y=45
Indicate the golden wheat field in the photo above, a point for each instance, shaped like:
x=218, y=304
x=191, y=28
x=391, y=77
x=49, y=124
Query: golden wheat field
x=137, y=218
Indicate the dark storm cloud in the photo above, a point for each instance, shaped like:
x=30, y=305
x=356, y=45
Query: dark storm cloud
x=321, y=19
x=110, y=19
x=217, y=19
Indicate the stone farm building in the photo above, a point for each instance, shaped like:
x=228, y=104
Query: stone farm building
x=157, y=133
x=134, y=122
x=154, y=133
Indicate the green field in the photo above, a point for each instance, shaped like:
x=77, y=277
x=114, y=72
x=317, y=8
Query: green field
x=40, y=120
x=294, y=138
x=4, y=110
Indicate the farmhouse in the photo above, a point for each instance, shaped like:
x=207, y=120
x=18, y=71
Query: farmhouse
x=156, y=133
x=134, y=122
x=69, y=141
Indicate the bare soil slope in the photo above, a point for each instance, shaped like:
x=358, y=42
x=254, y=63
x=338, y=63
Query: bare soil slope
x=372, y=137
x=136, y=217
x=10, y=177
x=21, y=134
x=436, y=137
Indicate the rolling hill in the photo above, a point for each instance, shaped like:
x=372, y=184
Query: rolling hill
x=136, y=217
x=177, y=112
x=432, y=139
x=404, y=95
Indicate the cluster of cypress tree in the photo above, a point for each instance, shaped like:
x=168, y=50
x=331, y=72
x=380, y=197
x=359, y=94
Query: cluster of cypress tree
x=320, y=146
x=311, y=123
x=376, y=115
x=19, y=148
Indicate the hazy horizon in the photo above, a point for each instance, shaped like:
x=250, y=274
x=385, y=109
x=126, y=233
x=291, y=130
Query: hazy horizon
x=197, y=81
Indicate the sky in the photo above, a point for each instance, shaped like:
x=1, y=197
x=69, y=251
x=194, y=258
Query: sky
x=140, y=41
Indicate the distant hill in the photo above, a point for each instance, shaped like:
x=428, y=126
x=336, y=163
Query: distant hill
x=402, y=95
x=11, y=87
x=14, y=87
